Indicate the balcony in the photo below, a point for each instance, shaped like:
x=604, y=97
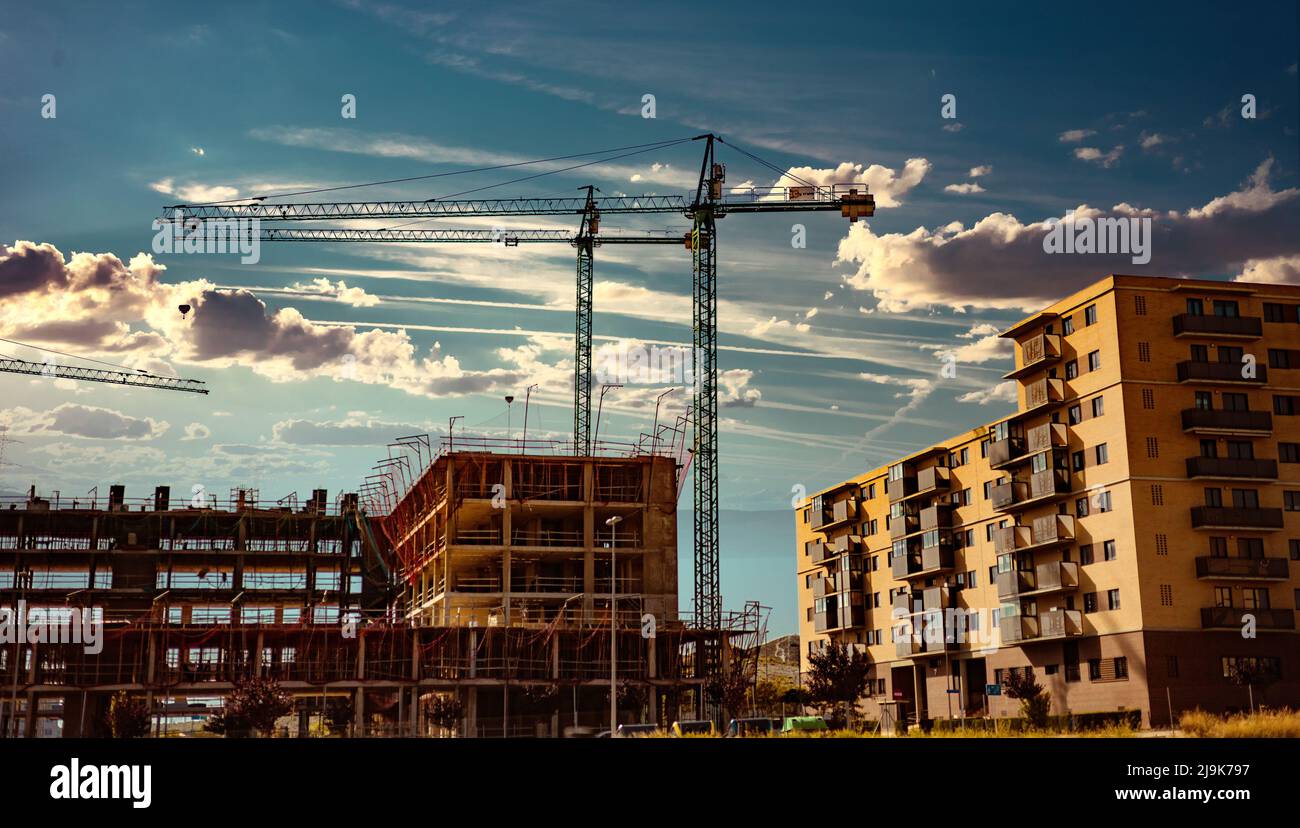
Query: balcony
x=933, y=479
x=1045, y=531
x=819, y=552
x=1234, y=618
x=1006, y=452
x=901, y=487
x=1205, y=421
x=903, y=567
x=1225, y=373
x=1041, y=487
x=1047, y=436
x=901, y=527
x=1228, y=327
x=927, y=633
x=938, y=516
x=834, y=514
x=1229, y=517
x=1058, y=623
x=1037, y=352
x=1236, y=468
x=1042, y=395
x=935, y=559
x=1243, y=569
x=839, y=618
x=836, y=583
x=1044, y=579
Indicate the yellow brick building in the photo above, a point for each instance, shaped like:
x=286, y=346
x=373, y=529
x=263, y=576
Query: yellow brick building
x=1130, y=534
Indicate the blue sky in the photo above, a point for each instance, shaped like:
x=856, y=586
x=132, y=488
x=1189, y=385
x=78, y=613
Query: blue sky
x=831, y=353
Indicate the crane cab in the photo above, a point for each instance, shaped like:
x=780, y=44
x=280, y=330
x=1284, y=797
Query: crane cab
x=855, y=205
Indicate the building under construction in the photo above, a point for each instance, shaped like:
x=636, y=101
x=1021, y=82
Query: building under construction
x=485, y=580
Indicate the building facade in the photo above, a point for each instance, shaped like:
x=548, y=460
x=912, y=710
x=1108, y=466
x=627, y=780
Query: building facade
x=1131, y=534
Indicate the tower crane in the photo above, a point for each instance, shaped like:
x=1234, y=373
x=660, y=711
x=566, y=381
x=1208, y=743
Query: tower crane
x=703, y=208
x=136, y=380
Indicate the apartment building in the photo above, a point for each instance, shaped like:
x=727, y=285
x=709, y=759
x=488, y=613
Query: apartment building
x=1130, y=534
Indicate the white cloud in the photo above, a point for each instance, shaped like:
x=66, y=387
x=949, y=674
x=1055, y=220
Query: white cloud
x=354, y=296
x=886, y=184
x=1106, y=160
x=1074, y=136
x=196, y=431
x=976, y=172
x=965, y=188
x=1003, y=392
x=73, y=420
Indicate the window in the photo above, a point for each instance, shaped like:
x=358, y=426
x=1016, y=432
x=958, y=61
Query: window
x=1162, y=544
x=1245, y=499
x=1085, y=553
x=1214, y=497
x=1241, y=449
x=1144, y=352
x=1081, y=507
x=1094, y=669
x=1223, y=597
x=1166, y=595
x=1103, y=453
x=1148, y=398
x=1121, y=667
x=1204, y=401
x=1195, y=307
x=1226, y=307
x=1200, y=353
x=1075, y=415
x=1288, y=452
x=1279, y=358
x=1293, y=546
x=1103, y=502
x=1098, y=406
x=1273, y=312
x=1094, y=361
x=1112, y=599
x=1051, y=669
x=805, y=515
x=1067, y=325
x=1235, y=402
x=993, y=574
x=1071, y=369
x=1254, y=598
x=1291, y=501
x=988, y=488
x=1089, y=602
x=1076, y=461
x=1140, y=305
x=1108, y=550
x=1283, y=406
x=1090, y=315
x=1252, y=548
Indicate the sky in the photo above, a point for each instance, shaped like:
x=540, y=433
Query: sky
x=317, y=355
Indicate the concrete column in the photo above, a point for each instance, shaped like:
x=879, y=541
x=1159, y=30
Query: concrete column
x=359, y=712
x=471, y=712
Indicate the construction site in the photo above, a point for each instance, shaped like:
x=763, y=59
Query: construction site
x=528, y=587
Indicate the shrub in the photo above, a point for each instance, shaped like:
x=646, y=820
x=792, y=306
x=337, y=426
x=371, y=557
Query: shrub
x=253, y=706
x=1035, y=702
x=127, y=718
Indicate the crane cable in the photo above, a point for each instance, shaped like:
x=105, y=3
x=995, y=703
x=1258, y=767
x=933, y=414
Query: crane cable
x=655, y=145
x=74, y=356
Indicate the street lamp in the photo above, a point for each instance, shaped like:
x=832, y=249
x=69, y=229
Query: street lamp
x=612, y=523
x=604, y=389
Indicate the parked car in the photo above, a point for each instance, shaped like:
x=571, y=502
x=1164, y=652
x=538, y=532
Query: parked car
x=693, y=727
x=795, y=723
x=753, y=726
x=629, y=731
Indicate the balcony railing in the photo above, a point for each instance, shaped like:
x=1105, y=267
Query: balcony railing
x=901, y=487
x=1043, y=393
x=1243, y=569
x=1236, y=327
x=833, y=514
x=1055, y=576
x=1041, y=486
x=904, y=566
x=1059, y=623
x=1046, y=436
x=903, y=526
x=935, y=559
x=1213, y=618
x=1007, y=494
x=1233, y=373
x=819, y=552
x=1234, y=467
x=1206, y=421
x=1229, y=517
x=1044, y=531
x=1037, y=352
x=1006, y=451
x=933, y=479
x=938, y=516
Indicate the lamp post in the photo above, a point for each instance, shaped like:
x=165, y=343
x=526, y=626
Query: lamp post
x=654, y=430
x=600, y=406
x=612, y=523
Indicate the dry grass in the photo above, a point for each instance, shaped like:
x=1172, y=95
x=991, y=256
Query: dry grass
x=1265, y=724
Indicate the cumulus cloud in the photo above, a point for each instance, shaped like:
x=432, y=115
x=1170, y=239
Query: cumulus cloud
x=976, y=172
x=1074, y=136
x=353, y=431
x=74, y=420
x=966, y=188
x=1151, y=140
x=985, y=346
x=734, y=390
x=1281, y=270
x=196, y=431
x=1107, y=159
x=1003, y=392
x=999, y=261
x=354, y=296
x=95, y=304
x=885, y=183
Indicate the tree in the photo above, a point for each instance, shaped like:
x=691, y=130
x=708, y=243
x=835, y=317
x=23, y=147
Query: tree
x=730, y=689
x=1251, y=673
x=769, y=694
x=127, y=718
x=339, y=716
x=837, y=675
x=253, y=706
x=446, y=712
x=1035, y=702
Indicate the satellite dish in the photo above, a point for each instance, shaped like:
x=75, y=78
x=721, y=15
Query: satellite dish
x=184, y=309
